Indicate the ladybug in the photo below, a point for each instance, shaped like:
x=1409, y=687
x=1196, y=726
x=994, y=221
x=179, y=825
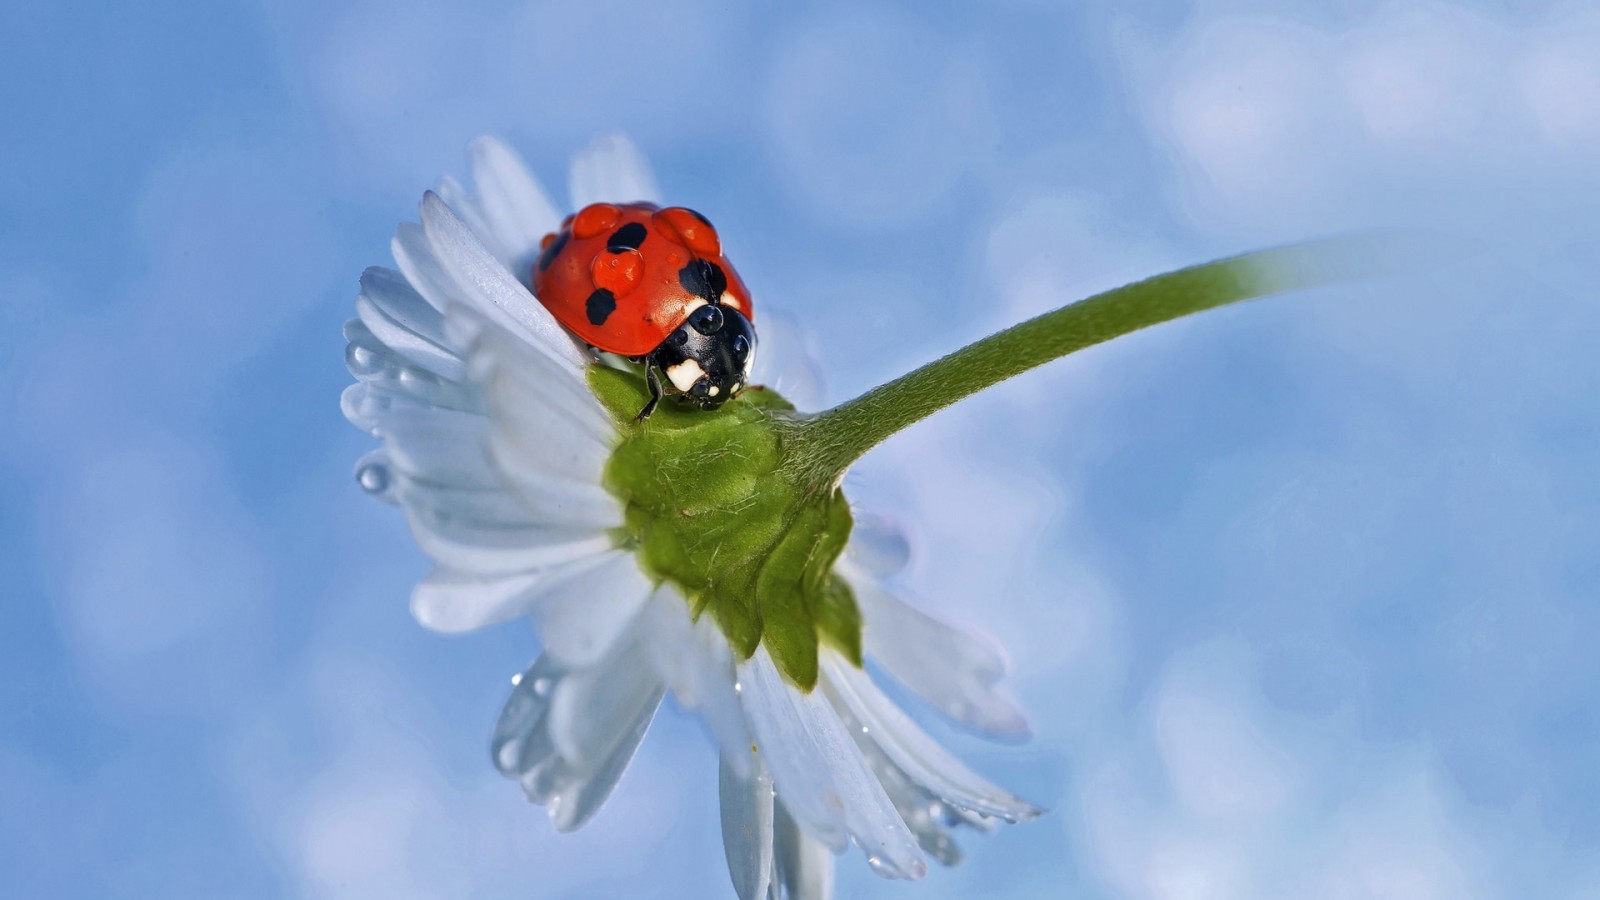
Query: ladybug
x=652, y=284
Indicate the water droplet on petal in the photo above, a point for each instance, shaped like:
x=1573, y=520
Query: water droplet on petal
x=542, y=685
x=516, y=679
x=361, y=360
x=881, y=867
x=373, y=478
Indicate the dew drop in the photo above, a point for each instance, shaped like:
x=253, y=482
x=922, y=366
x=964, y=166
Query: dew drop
x=516, y=679
x=505, y=756
x=361, y=360
x=542, y=685
x=879, y=866
x=373, y=478
x=738, y=688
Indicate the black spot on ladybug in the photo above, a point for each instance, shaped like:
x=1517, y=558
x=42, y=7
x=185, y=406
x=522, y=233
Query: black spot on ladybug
x=704, y=279
x=600, y=305
x=628, y=237
x=551, y=252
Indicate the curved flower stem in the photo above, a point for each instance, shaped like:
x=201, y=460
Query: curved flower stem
x=820, y=448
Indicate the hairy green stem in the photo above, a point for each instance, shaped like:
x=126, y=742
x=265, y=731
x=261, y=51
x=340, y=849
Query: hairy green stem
x=819, y=448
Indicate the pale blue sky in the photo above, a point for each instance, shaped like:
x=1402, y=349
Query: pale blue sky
x=1302, y=595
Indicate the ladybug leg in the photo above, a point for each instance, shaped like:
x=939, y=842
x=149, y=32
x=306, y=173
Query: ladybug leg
x=653, y=381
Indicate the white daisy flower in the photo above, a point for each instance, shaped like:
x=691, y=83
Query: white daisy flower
x=513, y=471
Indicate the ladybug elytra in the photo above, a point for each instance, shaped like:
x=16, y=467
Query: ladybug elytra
x=652, y=284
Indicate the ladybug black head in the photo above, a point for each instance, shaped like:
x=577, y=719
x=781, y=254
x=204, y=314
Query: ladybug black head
x=708, y=358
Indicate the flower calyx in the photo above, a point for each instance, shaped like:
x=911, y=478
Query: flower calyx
x=709, y=510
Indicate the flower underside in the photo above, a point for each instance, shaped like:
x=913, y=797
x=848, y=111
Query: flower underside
x=707, y=510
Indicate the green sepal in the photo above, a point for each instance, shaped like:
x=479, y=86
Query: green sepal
x=707, y=510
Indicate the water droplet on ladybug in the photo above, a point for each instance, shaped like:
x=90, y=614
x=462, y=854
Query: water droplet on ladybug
x=594, y=219
x=617, y=272
x=707, y=320
x=692, y=229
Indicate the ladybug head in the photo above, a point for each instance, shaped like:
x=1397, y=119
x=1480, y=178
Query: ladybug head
x=708, y=358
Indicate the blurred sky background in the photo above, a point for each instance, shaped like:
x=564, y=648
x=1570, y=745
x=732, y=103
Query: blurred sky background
x=1302, y=595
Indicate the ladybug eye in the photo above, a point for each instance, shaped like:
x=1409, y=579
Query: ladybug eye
x=741, y=346
x=706, y=320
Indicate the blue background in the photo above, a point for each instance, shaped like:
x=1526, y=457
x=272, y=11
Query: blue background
x=1301, y=594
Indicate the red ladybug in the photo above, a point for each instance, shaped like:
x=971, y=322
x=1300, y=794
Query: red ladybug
x=652, y=284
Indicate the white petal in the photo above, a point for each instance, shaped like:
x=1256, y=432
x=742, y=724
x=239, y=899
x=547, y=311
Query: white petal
x=803, y=865
x=612, y=170
x=747, y=830
x=451, y=601
x=877, y=545
x=577, y=802
x=417, y=261
x=489, y=553
x=694, y=659
x=516, y=746
x=405, y=322
x=515, y=206
x=922, y=759
x=923, y=813
x=594, y=709
x=524, y=747
x=546, y=435
x=374, y=404
x=420, y=262
x=391, y=384
x=374, y=363
x=491, y=518
x=438, y=445
x=951, y=668
x=445, y=523
x=471, y=211
x=818, y=772
x=586, y=608
x=552, y=498
x=549, y=444
x=542, y=387
x=486, y=285
x=782, y=724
